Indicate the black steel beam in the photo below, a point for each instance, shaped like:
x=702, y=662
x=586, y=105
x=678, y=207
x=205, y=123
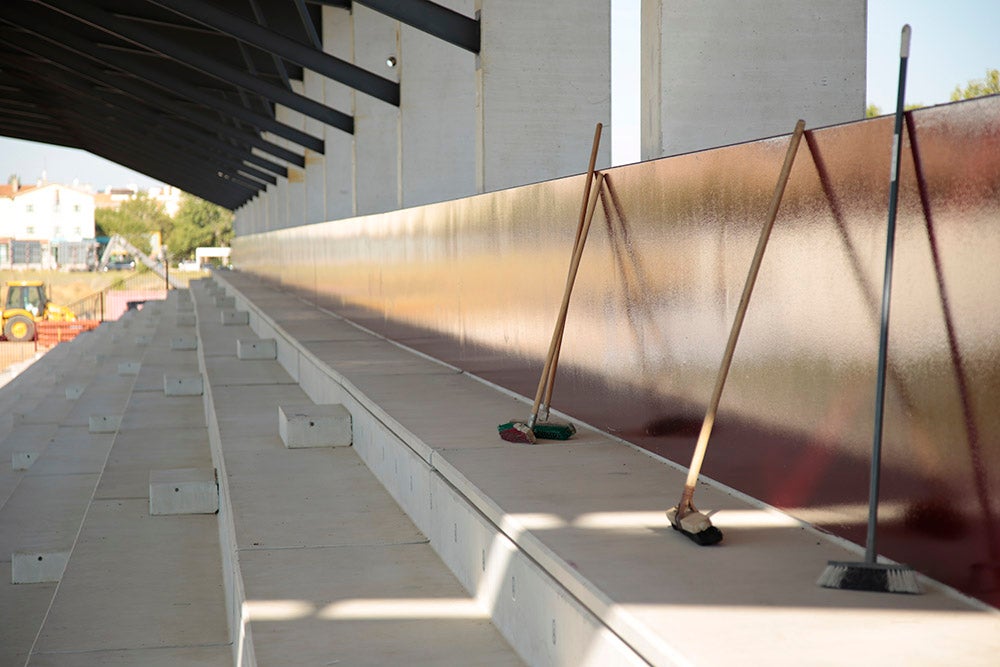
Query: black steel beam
x=41, y=23
x=136, y=34
x=431, y=18
x=279, y=45
x=66, y=61
x=85, y=121
x=49, y=135
x=205, y=150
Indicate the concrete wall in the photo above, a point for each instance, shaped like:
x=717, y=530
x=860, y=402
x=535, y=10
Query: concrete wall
x=544, y=82
x=718, y=72
x=438, y=158
x=521, y=111
x=477, y=282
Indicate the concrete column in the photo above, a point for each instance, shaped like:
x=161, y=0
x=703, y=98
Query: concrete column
x=438, y=115
x=295, y=193
x=338, y=40
x=719, y=72
x=544, y=81
x=376, y=123
x=315, y=184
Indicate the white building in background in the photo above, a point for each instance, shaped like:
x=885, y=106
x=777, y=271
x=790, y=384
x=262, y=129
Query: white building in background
x=45, y=226
x=50, y=212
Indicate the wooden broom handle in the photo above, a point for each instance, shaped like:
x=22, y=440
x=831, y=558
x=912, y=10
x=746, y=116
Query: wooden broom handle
x=720, y=381
x=574, y=266
x=554, y=364
x=552, y=359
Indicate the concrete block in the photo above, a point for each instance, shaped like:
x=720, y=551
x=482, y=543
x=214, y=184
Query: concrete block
x=38, y=565
x=185, y=319
x=74, y=391
x=225, y=302
x=143, y=340
x=186, y=342
x=266, y=348
x=180, y=385
x=185, y=307
x=315, y=426
x=183, y=491
x=129, y=368
x=104, y=423
x=235, y=317
x=22, y=460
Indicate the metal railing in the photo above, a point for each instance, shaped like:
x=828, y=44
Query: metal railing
x=121, y=295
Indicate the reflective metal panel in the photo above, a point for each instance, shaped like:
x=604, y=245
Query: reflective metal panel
x=477, y=282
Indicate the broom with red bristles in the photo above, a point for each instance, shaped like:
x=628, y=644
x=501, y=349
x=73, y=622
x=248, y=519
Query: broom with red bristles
x=533, y=428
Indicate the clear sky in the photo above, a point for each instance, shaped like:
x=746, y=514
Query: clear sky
x=953, y=41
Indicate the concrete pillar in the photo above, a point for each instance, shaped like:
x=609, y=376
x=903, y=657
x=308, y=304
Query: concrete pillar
x=295, y=186
x=234, y=317
x=315, y=184
x=376, y=123
x=438, y=115
x=338, y=162
x=183, y=491
x=720, y=72
x=315, y=426
x=544, y=81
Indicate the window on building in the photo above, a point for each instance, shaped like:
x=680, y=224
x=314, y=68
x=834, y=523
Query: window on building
x=29, y=208
x=30, y=229
x=78, y=230
x=76, y=208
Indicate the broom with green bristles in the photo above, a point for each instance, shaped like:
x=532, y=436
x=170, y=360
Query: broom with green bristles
x=529, y=431
x=870, y=575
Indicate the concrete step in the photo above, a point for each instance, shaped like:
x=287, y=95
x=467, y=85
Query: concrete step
x=567, y=545
x=155, y=581
x=325, y=565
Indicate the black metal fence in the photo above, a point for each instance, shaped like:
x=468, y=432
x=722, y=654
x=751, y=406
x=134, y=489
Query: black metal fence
x=121, y=295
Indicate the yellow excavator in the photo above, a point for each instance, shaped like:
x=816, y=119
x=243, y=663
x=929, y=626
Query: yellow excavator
x=27, y=303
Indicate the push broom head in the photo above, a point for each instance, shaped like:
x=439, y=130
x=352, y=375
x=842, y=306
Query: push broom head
x=875, y=577
x=547, y=430
x=516, y=431
x=695, y=526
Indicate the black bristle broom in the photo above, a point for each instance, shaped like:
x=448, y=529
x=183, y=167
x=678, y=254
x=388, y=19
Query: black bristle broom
x=870, y=575
x=685, y=518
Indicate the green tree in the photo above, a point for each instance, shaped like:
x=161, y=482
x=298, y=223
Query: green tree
x=872, y=111
x=135, y=220
x=199, y=223
x=989, y=85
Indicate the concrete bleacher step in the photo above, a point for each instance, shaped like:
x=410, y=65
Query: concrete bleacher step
x=567, y=544
x=87, y=497
x=325, y=565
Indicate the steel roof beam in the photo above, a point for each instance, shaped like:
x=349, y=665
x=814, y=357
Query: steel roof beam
x=137, y=138
x=107, y=22
x=169, y=135
x=56, y=55
x=65, y=40
x=279, y=45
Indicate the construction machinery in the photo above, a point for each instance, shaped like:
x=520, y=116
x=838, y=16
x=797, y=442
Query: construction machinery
x=27, y=303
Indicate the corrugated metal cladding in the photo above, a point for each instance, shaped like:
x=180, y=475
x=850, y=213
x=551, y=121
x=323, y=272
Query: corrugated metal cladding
x=477, y=282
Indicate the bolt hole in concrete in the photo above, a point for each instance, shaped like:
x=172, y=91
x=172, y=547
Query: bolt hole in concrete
x=312, y=423
x=39, y=558
x=177, y=489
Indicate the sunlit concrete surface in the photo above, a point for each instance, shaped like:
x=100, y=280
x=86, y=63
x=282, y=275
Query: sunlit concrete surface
x=570, y=540
x=325, y=565
x=427, y=541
